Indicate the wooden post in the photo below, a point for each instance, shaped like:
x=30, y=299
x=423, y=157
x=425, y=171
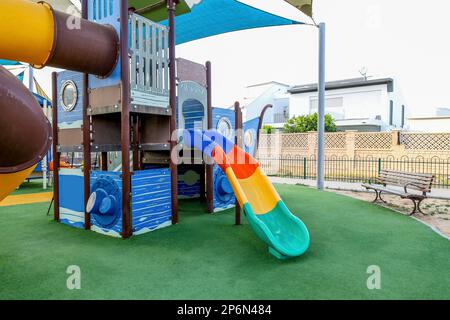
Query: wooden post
x=171, y=6
x=87, y=161
x=56, y=157
x=136, y=141
x=238, y=141
x=125, y=122
x=202, y=169
x=209, y=167
x=104, y=161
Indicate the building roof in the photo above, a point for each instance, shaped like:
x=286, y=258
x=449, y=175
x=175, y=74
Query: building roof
x=267, y=83
x=344, y=84
x=430, y=118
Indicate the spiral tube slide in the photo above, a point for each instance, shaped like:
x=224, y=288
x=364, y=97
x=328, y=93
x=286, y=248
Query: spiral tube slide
x=36, y=34
x=25, y=133
x=284, y=233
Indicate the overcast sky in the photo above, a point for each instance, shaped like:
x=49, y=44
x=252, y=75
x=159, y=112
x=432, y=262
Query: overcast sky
x=404, y=39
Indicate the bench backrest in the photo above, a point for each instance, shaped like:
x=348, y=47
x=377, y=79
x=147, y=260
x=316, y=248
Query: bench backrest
x=416, y=181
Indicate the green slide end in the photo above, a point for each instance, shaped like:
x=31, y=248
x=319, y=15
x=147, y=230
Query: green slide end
x=284, y=233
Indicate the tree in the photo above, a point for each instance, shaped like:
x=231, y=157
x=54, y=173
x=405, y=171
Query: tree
x=267, y=129
x=308, y=123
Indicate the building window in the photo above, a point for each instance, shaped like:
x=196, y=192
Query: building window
x=391, y=113
x=333, y=106
x=281, y=114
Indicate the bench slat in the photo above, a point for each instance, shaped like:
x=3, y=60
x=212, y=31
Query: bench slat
x=403, y=182
x=407, y=176
x=407, y=173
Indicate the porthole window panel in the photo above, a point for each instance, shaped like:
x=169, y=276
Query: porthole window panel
x=225, y=128
x=69, y=96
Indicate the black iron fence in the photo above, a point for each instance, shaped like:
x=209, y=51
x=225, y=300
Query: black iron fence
x=355, y=170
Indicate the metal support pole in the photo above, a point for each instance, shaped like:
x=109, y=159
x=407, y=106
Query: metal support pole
x=55, y=147
x=171, y=6
x=209, y=167
x=125, y=122
x=44, y=160
x=30, y=78
x=321, y=113
x=238, y=142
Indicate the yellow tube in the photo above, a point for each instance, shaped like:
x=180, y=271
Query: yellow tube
x=27, y=31
x=10, y=181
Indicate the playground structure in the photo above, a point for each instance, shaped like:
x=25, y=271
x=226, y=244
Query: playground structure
x=120, y=95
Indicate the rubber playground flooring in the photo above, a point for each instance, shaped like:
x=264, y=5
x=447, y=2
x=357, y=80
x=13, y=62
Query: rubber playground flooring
x=14, y=200
x=207, y=257
x=28, y=193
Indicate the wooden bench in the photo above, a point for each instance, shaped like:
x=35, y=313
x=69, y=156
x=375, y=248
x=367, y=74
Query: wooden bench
x=415, y=186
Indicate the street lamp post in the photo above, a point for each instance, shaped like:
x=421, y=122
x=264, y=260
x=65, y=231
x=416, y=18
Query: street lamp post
x=321, y=111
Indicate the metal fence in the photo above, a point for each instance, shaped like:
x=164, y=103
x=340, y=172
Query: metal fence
x=355, y=170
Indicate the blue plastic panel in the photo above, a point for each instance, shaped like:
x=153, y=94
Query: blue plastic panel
x=250, y=134
x=188, y=181
x=74, y=118
x=222, y=200
x=116, y=230
x=151, y=200
x=71, y=197
x=223, y=194
x=219, y=113
x=192, y=101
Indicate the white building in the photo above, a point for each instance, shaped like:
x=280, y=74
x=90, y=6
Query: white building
x=429, y=124
x=355, y=104
x=432, y=124
x=262, y=94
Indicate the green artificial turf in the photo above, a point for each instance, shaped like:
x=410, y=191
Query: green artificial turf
x=34, y=186
x=207, y=257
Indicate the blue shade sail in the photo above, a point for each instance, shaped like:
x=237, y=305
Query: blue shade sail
x=8, y=63
x=213, y=17
x=20, y=76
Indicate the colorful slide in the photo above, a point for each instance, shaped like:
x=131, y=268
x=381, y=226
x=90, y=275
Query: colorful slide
x=36, y=34
x=284, y=233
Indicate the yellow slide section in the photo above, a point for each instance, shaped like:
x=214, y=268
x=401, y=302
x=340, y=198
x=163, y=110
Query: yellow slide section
x=10, y=181
x=30, y=33
x=264, y=198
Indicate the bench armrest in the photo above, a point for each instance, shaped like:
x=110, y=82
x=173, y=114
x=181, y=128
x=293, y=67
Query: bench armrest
x=377, y=181
x=405, y=187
